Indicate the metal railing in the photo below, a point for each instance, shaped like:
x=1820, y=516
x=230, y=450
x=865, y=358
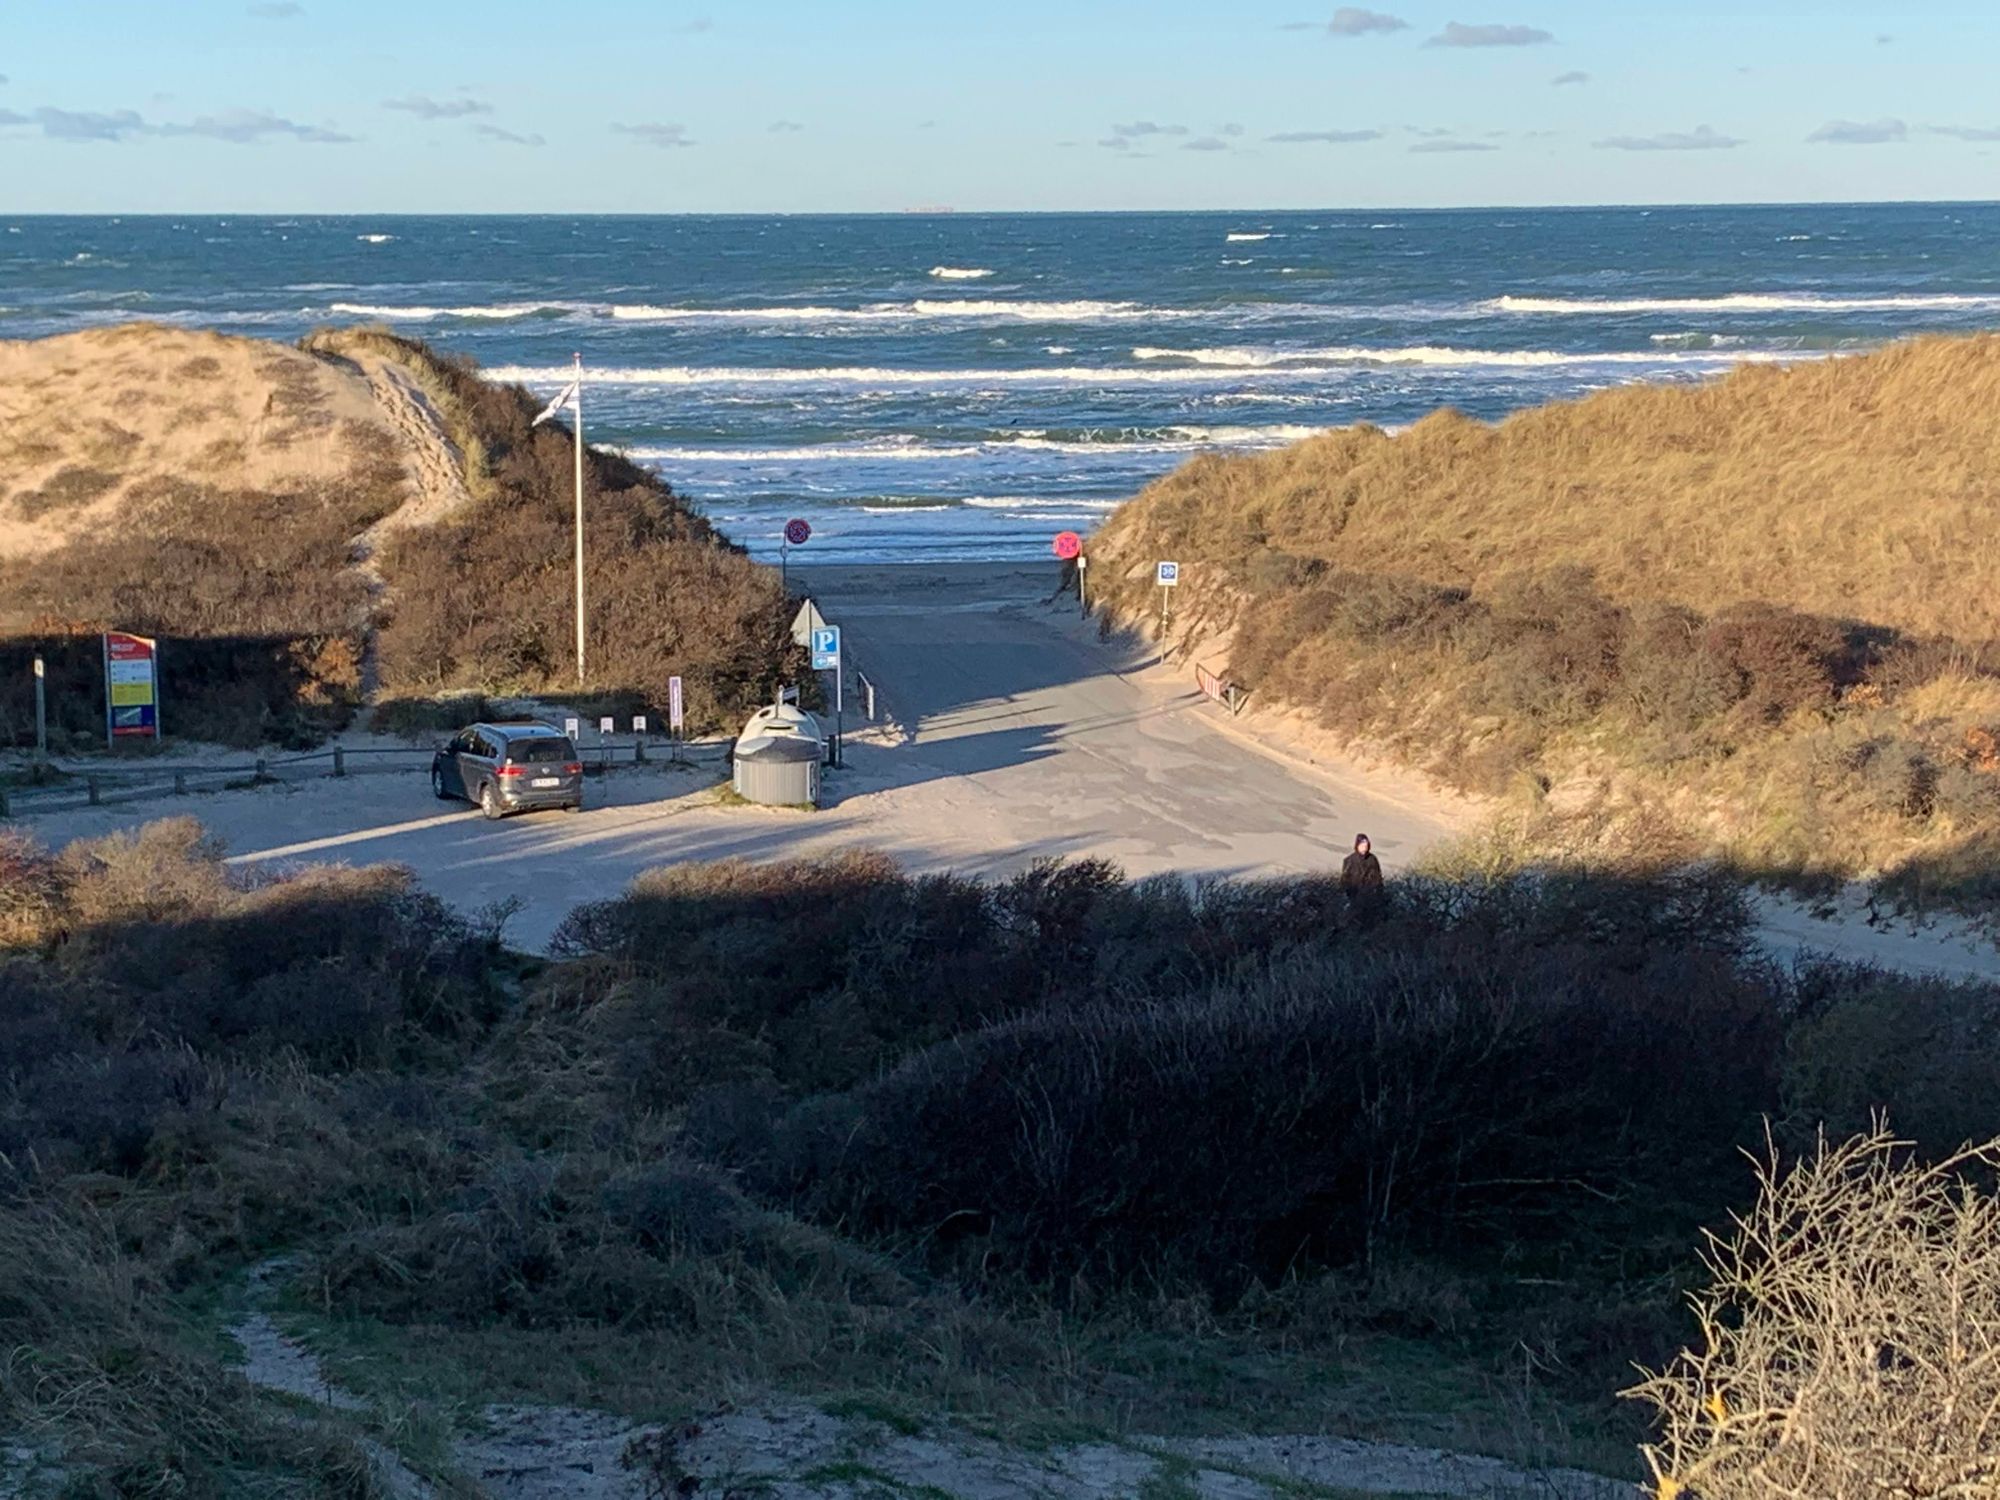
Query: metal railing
x=95, y=786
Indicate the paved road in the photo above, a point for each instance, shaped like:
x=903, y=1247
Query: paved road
x=1016, y=734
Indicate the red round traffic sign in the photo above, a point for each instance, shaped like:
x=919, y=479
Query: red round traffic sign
x=797, y=532
x=1068, y=544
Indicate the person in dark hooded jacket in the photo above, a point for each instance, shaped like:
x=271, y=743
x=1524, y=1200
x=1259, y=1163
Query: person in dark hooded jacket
x=1361, y=872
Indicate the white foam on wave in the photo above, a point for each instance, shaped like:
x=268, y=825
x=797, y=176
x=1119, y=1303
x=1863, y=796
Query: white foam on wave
x=1282, y=360
x=495, y=310
x=906, y=448
x=1080, y=311
x=960, y=273
x=1244, y=239
x=1035, y=503
x=1825, y=302
x=891, y=379
x=374, y=239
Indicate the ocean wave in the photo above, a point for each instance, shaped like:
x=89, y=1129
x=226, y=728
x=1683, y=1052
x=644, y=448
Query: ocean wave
x=1243, y=239
x=1280, y=360
x=1825, y=302
x=960, y=273
x=484, y=310
x=1081, y=311
x=374, y=239
x=1035, y=503
x=907, y=448
x=726, y=375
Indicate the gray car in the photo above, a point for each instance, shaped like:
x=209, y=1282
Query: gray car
x=510, y=767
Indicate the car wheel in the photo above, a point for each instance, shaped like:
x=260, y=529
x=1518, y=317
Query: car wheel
x=437, y=784
x=489, y=800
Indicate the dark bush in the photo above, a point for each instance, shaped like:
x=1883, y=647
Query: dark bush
x=1783, y=661
x=1335, y=1107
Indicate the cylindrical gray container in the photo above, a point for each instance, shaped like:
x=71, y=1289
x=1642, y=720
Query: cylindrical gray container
x=780, y=771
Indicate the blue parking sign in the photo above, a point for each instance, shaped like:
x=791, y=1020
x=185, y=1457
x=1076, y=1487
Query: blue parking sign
x=826, y=648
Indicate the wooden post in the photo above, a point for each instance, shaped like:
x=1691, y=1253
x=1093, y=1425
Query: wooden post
x=339, y=761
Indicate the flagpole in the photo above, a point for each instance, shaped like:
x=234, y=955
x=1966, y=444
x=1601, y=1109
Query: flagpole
x=578, y=409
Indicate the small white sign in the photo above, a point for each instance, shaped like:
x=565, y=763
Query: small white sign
x=1170, y=574
x=1082, y=561
x=606, y=725
x=675, y=719
x=571, y=726
x=638, y=723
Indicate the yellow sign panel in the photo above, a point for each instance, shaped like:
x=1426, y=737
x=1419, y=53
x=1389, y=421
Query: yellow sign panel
x=131, y=694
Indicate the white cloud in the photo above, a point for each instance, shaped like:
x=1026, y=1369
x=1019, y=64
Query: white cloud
x=1572, y=77
x=1439, y=144
x=507, y=137
x=426, y=108
x=785, y=127
x=1352, y=20
x=246, y=127
x=1701, y=138
x=1458, y=34
x=1968, y=132
x=1860, y=133
x=1322, y=137
x=665, y=136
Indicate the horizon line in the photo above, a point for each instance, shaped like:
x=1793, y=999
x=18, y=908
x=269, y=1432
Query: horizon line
x=954, y=212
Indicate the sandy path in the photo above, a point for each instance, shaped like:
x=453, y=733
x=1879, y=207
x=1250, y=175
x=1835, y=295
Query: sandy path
x=1011, y=733
x=1018, y=735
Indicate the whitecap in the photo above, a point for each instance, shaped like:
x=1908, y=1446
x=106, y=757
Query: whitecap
x=1278, y=361
x=960, y=273
x=1827, y=302
x=374, y=239
x=479, y=310
x=1243, y=239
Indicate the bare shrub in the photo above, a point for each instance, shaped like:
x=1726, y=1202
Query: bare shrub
x=1847, y=1336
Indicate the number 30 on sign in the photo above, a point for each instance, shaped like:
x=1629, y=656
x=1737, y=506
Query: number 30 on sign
x=1170, y=574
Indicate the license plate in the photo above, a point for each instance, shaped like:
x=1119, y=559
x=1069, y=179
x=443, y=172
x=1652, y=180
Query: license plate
x=546, y=781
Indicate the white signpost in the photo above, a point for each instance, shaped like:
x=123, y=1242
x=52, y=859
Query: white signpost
x=607, y=725
x=676, y=719
x=572, y=727
x=1169, y=574
x=638, y=723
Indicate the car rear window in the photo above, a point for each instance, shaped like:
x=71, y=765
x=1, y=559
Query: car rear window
x=538, y=752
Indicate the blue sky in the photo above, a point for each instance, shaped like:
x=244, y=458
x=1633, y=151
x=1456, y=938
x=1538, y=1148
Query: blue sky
x=782, y=105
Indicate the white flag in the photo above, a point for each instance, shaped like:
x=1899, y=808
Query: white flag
x=567, y=398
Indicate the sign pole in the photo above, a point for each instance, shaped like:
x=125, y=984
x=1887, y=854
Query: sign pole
x=110, y=718
x=578, y=408
x=41, y=709
x=1082, y=589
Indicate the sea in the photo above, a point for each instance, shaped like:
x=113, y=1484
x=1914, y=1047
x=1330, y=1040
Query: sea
x=965, y=386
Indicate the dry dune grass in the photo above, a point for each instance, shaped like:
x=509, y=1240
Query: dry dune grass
x=313, y=527
x=87, y=418
x=1756, y=618
x=1864, y=487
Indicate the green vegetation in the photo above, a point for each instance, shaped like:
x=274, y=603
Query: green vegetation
x=1056, y=1155
x=1749, y=619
